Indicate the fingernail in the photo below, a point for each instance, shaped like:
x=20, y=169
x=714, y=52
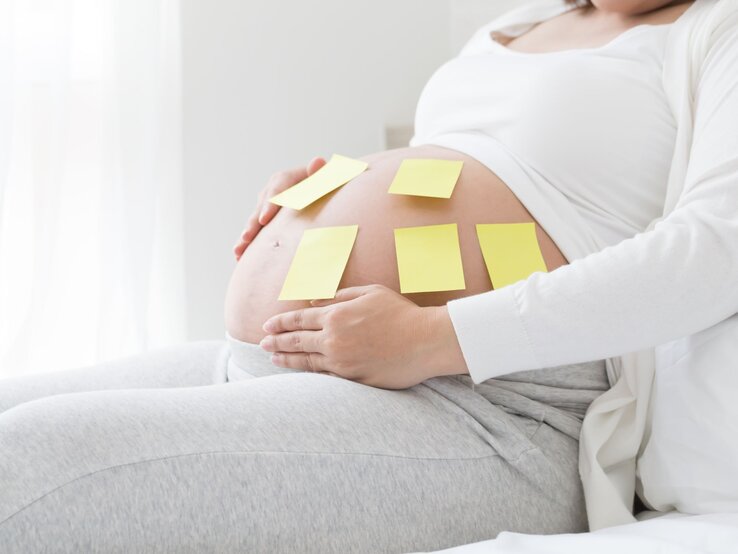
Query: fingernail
x=264, y=342
x=267, y=327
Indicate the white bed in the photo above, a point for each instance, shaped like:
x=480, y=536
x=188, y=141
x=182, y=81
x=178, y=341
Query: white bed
x=656, y=532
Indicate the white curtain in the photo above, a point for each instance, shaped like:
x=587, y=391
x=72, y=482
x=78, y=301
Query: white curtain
x=91, y=253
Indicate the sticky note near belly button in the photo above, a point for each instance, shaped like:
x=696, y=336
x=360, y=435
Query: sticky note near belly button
x=429, y=258
x=318, y=263
x=423, y=177
x=337, y=172
x=511, y=251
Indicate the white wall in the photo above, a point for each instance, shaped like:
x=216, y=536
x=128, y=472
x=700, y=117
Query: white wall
x=268, y=85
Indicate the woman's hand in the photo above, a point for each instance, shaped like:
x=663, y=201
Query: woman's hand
x=265, y=210
x=369, y=334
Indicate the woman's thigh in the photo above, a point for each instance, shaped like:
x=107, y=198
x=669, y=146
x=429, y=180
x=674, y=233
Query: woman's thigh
x=187, y=365
x=286, y=463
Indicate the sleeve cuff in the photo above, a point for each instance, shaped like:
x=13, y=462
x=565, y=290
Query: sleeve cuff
x=491, y=334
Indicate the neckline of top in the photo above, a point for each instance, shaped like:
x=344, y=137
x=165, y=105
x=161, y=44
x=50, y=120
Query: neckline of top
x=593, y=49
x=614, y=41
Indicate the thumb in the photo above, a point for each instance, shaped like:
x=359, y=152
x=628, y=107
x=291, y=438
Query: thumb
x=342, y=295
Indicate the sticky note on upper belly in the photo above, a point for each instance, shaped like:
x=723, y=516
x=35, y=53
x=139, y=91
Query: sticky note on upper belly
x=337, y=172
x=423, y=177
x=429, y=258
x=318, y=263
x=511, y=251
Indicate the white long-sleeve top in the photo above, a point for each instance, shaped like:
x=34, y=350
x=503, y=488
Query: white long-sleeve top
x=537, y=120
x=677, y=277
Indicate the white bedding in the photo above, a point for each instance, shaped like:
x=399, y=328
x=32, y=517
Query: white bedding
x=670, y=533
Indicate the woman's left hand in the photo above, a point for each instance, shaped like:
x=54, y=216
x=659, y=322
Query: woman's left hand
x=369, y=334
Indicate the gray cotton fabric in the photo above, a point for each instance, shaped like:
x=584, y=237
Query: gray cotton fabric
x=208, y=447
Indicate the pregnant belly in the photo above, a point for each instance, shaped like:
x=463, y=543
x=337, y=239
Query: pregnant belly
x=479, y=197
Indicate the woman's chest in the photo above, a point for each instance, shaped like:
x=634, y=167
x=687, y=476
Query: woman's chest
x=595, y=124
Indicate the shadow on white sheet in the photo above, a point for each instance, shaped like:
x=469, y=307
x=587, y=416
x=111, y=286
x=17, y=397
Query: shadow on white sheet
x=672, y=533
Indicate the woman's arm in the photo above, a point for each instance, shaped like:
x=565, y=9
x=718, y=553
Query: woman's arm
x=674, y=280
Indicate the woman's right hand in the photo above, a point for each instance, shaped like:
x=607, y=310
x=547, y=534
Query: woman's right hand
x=265, y=210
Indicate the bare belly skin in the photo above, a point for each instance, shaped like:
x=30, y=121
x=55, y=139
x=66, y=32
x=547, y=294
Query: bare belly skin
x=479, y=197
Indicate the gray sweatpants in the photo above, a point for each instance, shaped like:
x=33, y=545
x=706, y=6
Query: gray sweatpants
x=208, y=447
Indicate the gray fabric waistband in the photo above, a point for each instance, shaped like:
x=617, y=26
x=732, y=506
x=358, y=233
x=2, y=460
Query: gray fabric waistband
x=557, y=395
x=250, y=360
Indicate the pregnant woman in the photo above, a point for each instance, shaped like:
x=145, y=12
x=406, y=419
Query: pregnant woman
x=382, y=422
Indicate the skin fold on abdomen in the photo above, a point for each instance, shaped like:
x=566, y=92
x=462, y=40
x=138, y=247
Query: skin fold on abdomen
x=479, y=197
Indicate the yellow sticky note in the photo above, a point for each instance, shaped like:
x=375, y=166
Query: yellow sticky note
x=318, y=264
x=422, y=177
x=429, y=258
x=337, y=172
x=511, y=251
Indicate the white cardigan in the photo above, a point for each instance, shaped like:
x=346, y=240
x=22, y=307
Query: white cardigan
x=676, y=278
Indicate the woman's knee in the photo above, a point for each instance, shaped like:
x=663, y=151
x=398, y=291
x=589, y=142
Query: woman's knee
x=191, y=364
x=51, y=441
x=17, y=390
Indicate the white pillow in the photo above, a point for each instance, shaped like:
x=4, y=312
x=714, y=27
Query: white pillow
x=690, y=460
